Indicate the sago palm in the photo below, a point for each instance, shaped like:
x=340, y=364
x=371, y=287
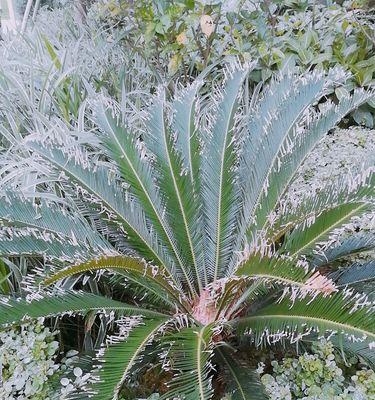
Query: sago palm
x=190, y=216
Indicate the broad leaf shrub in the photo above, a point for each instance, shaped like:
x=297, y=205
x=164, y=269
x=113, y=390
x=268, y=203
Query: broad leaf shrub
x=27, y=362
x=317, y=375
x=183, y=212
x=31, y=368
x=297, y=35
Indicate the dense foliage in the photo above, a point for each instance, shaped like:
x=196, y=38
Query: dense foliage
x=30, y=368
x=188, y=35
x=318, y=375
x=27, y=363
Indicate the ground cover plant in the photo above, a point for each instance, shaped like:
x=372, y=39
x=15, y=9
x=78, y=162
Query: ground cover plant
x=319, y=374
x=180, y=38
x=182, y=212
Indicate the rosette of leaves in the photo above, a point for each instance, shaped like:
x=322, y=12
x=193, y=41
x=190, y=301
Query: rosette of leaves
x=184, y=211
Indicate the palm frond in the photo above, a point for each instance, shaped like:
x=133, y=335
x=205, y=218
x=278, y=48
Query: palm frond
x=269, y=139
x=141, y=177
x=146, y=291
x=282, y=270
x=302, y=141
x=358, y=243
x=304, y=239
x=27, y=242
x=46, y=216
x=124, y=265
x=359, y=188
x=181, y=199
x=184, y=110
x=119, y=358
x=190, y=354
x=221, y=200
x=244, y=383
x=361, y=349
x=347, y=317
x=114, y=200
x=14, y=311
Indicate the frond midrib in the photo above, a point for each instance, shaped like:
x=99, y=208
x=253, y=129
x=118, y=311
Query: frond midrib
x=151, y=203
x=316, y=319
x=199, y=362
x=137, y=352
x=178, y=194
x=234, y=375
x=276, y=278
x=328, y=229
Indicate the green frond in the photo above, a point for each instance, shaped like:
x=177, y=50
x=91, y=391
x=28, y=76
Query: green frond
x=334, y=194
x=14, y=311
x=145, y=290
x=127, y=211
x=120, y=357
x=361, y=349
x=190, y=354
x=141, y=176
x=280, y=179
x=323, y=314
x=244, y=383
x=184, y=109
x=358, y=243
x=29, y=244
x=269, y=140
x=274, y=269
x=220, y=198
x=181, y=199
x=304, y=239
x=128, y=267
x=48, y=217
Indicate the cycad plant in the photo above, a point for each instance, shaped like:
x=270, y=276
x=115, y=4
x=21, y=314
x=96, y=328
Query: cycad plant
x=186, y=211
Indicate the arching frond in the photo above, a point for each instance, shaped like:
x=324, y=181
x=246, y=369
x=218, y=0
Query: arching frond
x=345, y=190
x=181, y=198
x=282, y=270
x=127, y=210
x=16, y=242
x=302, y=143
x=361, y=242
x=355, y=274
x=190, y=351
x=244, y=383
x=360, y=349
x=336, y=314
x=269, y=139
x=121, y=355
x=303, y=240
x=184, y=110
x=47, y=217
x=14, y=311
x=128, y=266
